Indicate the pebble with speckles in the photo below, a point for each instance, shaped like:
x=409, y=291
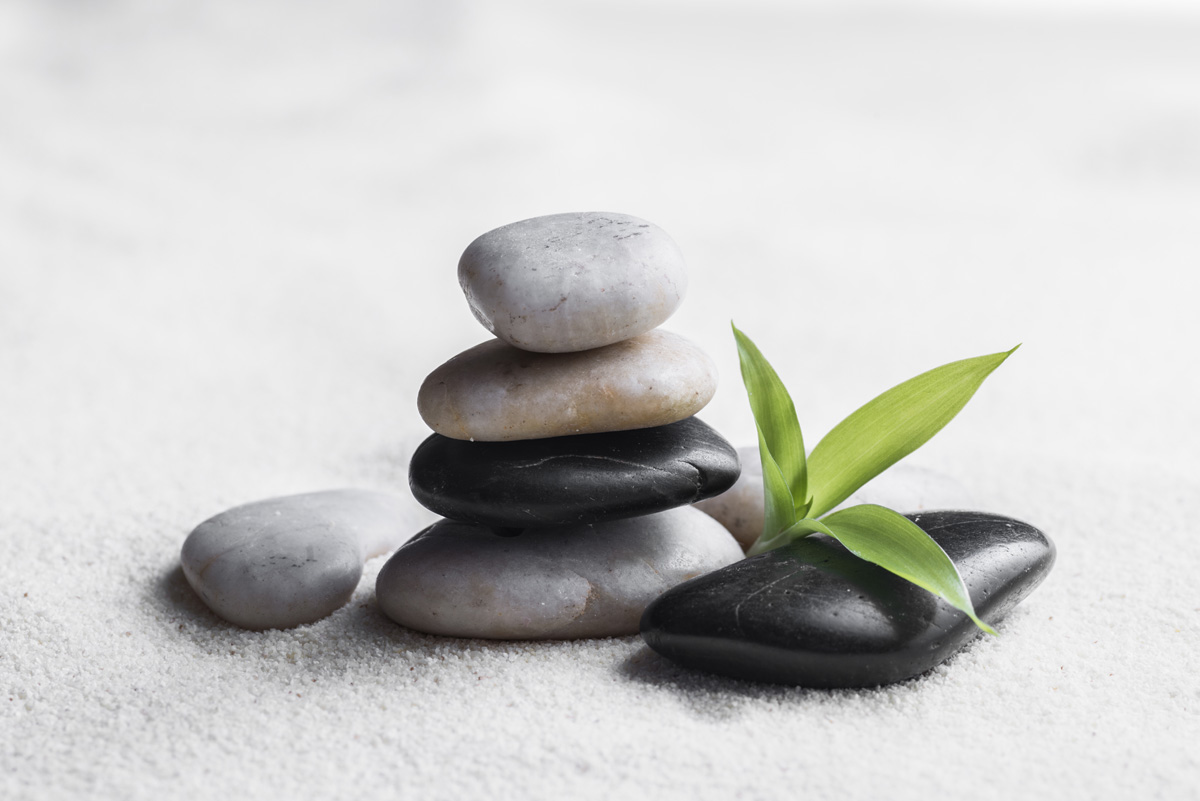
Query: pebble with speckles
x=283, y=562
x=572, y=282
x=592, y=580
x=495, y=392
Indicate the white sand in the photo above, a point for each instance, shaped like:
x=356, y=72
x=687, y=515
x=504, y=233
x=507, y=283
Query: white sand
x=227, y=252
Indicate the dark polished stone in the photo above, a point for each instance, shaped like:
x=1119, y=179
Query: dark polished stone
x=815, y=615
x=581, y=479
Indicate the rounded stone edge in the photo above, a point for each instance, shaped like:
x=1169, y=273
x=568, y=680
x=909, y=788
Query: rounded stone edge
x=836, y=675
x=458, y=422
x=710, y=484
x=466, y=261
x=261, y=612
x=240, y=610
x=588, y=628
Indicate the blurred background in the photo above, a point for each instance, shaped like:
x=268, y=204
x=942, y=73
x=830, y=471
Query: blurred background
x=225, y=199
x=229, y=233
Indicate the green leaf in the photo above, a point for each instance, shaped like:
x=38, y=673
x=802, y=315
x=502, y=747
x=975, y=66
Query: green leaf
x=778, y=510
x=779, y=437
x=890, y=427
x=798, y=530
x=899, y=545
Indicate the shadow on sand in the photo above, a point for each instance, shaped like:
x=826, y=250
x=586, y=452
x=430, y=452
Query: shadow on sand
x=355, y=634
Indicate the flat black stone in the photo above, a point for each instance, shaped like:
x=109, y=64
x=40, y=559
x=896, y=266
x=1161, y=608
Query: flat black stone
x=815, y=615
x=581, y=479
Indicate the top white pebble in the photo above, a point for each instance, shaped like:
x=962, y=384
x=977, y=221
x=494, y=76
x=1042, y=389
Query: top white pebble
x=571, y=282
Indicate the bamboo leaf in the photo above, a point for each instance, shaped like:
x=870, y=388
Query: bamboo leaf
x=899, y=545
x=798, y=530
x=778, y=510
x=890, y=427
x=780, y=440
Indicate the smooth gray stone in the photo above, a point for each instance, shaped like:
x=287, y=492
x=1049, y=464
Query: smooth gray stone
x=570, y=282
x=283, y=562
x=494, y=392
x=902, y=487
x=564, y=582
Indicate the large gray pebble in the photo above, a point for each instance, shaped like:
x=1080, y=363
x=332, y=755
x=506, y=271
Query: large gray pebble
x=902, y=487
x=570, y=282
x=287, y=561
x=495, y=392
x=463, y=580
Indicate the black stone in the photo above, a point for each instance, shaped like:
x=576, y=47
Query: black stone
x=815, y=615
x=581, y=479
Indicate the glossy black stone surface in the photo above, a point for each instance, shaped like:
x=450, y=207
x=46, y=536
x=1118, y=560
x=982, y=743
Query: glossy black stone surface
x=580, y=479
x=815, y=615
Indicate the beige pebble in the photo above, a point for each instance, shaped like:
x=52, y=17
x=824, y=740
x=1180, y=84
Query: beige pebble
x=495, y=392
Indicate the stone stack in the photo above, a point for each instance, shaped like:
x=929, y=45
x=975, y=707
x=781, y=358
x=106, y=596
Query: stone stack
x=566, y=451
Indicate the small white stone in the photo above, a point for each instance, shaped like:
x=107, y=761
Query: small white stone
x=570, y=282
x=494, y=392
x=282, y=562
x=562, y=582
x=902, y=487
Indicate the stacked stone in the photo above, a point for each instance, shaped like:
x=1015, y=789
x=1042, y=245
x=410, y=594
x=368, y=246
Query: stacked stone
x=566, y=452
